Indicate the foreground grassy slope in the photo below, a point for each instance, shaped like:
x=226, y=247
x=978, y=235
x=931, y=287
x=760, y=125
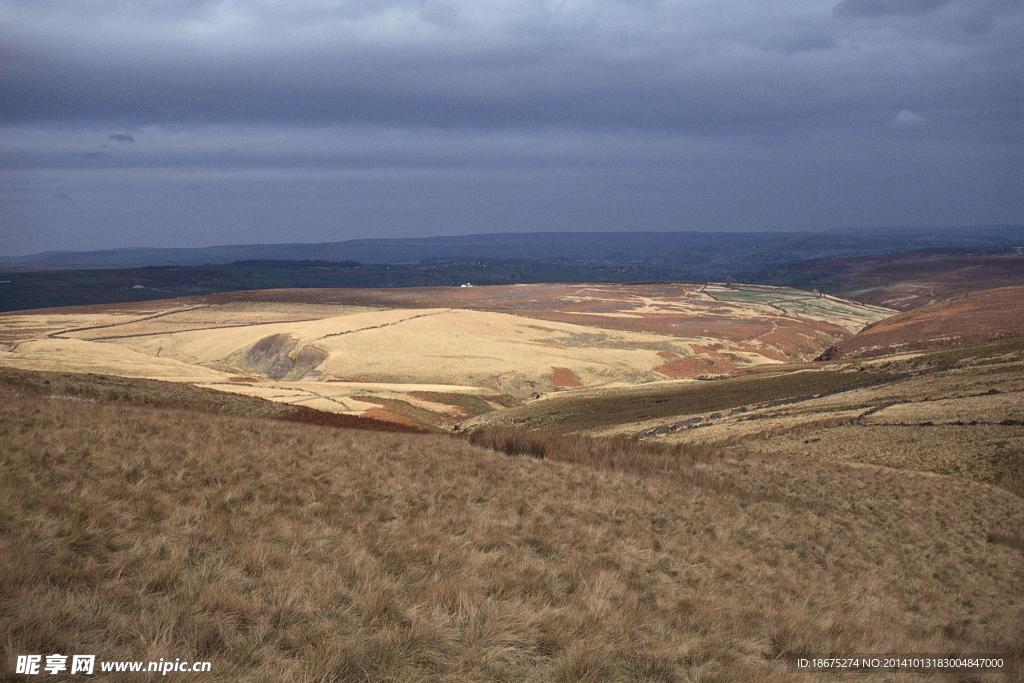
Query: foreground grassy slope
x=62, y=386
x=294, y=552
x=956, y=411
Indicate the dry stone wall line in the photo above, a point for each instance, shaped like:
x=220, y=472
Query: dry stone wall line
x=58, y=334
x=377, y=327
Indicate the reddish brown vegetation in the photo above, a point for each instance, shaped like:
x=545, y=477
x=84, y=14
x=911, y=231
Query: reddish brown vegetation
x=909, y=280
x=564, y=378
x=685, y=367
x=370, y=421
x=978, y=316
x=386, y=416
x=467, y=404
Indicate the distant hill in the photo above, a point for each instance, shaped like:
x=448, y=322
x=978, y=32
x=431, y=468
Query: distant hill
x=906, y=280
x=901, y=268
x=713, y=254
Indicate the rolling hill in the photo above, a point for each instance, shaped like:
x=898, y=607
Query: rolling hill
x=978, y=316
x=937, y=389
x=906, y=280
x=433, y=357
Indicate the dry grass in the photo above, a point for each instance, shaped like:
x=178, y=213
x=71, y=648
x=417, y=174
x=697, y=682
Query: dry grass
x=158, y=394
x=956, y=411
x=630, y=405
x=615, y=453
x=286, y=552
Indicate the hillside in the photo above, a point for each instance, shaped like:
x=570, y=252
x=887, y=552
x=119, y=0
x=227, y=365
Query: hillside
x=432, y=357
x=907, y=280
x=294, y=552
x=980, y=315
x=938, y=389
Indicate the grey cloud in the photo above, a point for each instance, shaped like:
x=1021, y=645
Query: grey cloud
x=906, y=118
x=979, y=18
x=121, y=137
x=800, y=41
x=884, y=8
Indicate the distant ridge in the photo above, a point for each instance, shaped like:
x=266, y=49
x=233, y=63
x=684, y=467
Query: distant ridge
x=983, y=229
x=732, y=252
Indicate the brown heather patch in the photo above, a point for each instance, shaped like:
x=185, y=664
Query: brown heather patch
x=403, y=413
x=907, y=280
x=368, y=422
x=974, y=317
x=685, y=367
x=287, y=552
x=468, y=404
x=564, y=378
x=386, y=416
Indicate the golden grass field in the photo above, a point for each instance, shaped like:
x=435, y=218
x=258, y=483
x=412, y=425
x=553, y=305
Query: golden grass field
x=287, y=552
x=434, y=357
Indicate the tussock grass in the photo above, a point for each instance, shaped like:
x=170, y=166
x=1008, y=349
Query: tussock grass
x=615, y=453
x=174, y=395
x=293, y=552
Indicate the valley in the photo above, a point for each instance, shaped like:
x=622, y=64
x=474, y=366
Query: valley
x=430, y=358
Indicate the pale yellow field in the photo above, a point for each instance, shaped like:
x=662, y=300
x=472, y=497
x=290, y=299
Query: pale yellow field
x=361, y=358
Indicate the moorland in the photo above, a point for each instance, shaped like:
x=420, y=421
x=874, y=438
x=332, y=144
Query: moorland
x=576, y=482
x=431, y=357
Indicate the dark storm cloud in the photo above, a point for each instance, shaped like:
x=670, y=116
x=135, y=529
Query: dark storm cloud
x=644, y=64
x=604, y=96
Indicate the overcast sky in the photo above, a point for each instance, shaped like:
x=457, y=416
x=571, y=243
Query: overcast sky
x=197, y=122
